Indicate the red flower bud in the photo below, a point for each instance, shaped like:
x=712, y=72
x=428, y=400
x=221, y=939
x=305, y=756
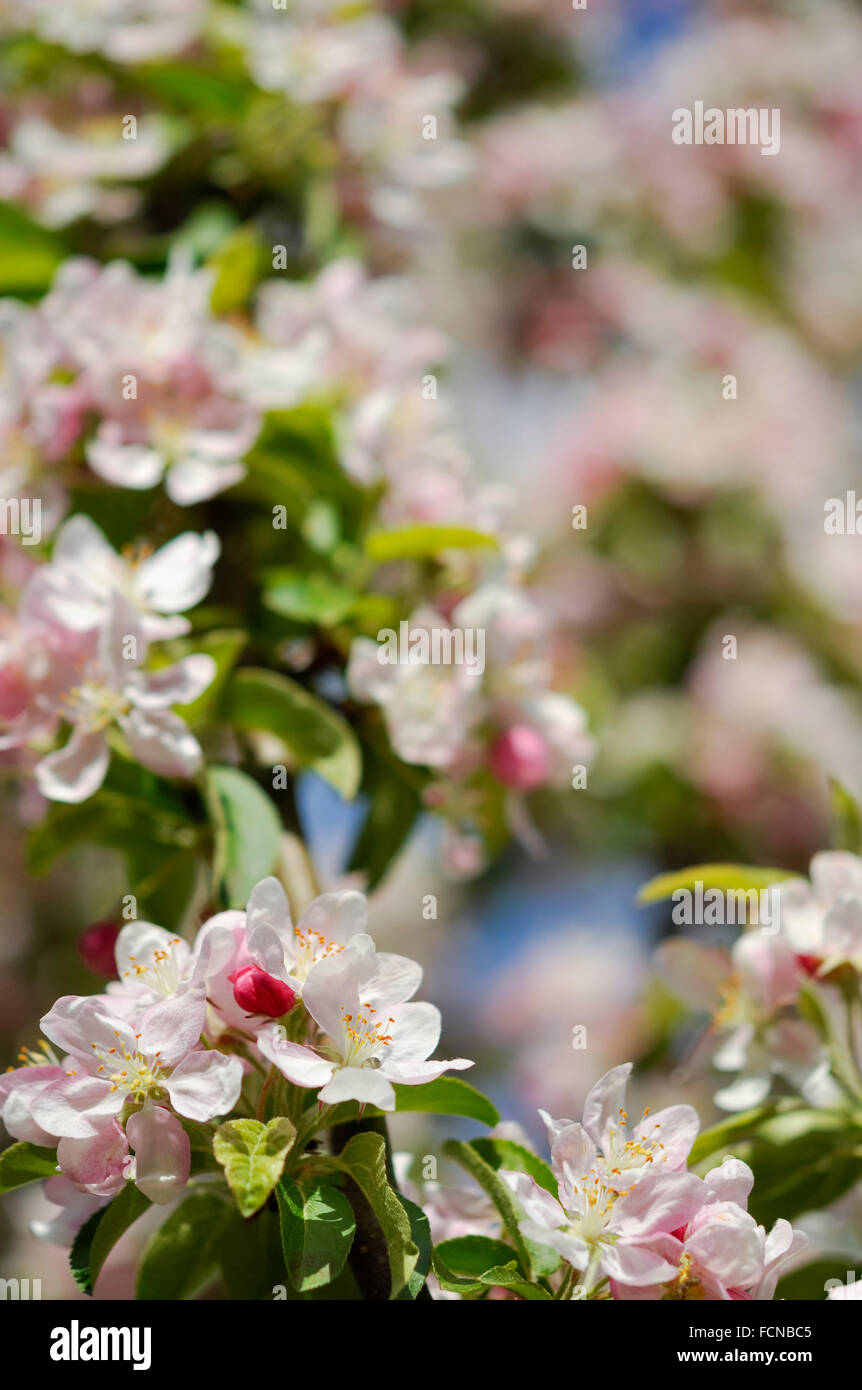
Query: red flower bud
x=259, y=993
x=519, y=758
x=810, y=964
x=96, y=948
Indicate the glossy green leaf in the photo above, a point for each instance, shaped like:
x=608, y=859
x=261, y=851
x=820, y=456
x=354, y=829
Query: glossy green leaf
x=317, y=1227
x=182, y=1257
x=22, y=1163
x=315, y=735
x=247, y=832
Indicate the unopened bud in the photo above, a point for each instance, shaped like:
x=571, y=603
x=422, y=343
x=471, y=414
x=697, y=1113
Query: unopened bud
x=259, y=993
x=519, y=758
x=96, y=948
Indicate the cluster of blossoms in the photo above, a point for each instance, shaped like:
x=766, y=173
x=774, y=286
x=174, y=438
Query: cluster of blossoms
x=140, y=380
x=813, y=941
x=75, y=655
x=178, y=1034
x=623, y=1214
x=633, y=1223
x=504, y=719
x=350, y=64
x=184, y=1035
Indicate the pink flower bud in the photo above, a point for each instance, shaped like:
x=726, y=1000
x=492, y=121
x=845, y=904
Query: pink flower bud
x=96, y=948
x=14, y=692
x=259, y=993
x=519, y=758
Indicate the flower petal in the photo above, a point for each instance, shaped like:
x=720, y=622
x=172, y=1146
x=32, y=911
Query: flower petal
x=205, y=1084
x=364, y=1084
x=299, y=1064
x=162, y=741
x=75, y=772
x=162, y=1153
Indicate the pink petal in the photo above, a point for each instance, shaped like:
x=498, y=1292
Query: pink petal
x=205, y=1084
x=162, y=1153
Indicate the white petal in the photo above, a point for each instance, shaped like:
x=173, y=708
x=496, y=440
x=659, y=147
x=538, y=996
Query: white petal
x=179, y=575
x=75, y=772
x=363, y=1084
x=126, y=465
x=172, y=685
x=162, y=742
x=196, y=479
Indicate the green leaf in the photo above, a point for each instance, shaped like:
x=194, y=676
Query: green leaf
x=846, y=819
x=505, y=1153
x=420, y=1231
x=317, y=1227
x=190, y=87
x=808, y=1284
x=316, y=736
x=252, y=1155
x=496, y=1189
x=802, y=1161
x=424, y=542
x=470, y=1256
x=719, y=1138
x=239, y=265
x=251, y=1257
x=182, y=1257
x=29, y=254
x=22, y=1163
x=507, y=1276
x=307, y=598
x=721, y=876
x=247, y=832
x=294, y=464
x=98, y=1236
x=364, y=1160
x=448, y=1095
x=201, y=1147
x=394, y=802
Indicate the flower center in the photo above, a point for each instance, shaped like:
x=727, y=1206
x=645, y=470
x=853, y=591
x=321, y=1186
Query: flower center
x=40, y=1056
x=93, y=706
x=364, y=1036
x=162, y=975
x=130, y=1072
x=636, y=1152
x=311, y=947
x=686, y=1285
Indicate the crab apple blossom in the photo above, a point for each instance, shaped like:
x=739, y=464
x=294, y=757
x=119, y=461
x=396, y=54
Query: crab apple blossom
x=663, y=1139
x=722, y=1253
x=822, y=919
x=598, y=1225
x=372, y=1036
x=74, y=1206
x=748, y=992
x=110, y=1062
x=114, y=690
x=126, y=31
x=76, y=587
x=159, y=372
x=118, y=1087
x=253, y=964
